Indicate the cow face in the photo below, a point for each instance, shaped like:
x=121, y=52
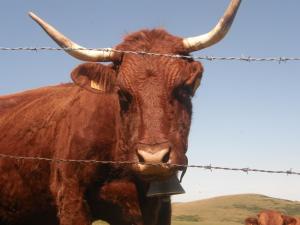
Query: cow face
x=269, y=217
x=154, y=95
x=155, y=99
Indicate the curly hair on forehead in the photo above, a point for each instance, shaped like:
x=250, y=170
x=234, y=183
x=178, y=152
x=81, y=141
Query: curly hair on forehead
x=157, y=40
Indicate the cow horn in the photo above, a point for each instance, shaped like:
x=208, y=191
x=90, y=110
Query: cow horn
x=64, y=42
x=217, y=33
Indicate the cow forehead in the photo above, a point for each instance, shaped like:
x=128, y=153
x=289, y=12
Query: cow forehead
x=152, y=72
x=155, y=40
x=270, y=217
x=141, y=70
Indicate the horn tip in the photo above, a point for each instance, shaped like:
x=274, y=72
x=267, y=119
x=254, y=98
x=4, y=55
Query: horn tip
x=31, y=14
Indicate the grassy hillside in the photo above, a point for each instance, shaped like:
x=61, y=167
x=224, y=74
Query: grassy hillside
x=229, y=210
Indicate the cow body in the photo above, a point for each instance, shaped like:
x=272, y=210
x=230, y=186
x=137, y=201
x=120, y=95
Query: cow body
x=137, y=109
x=39, y=127
x=31, y=188
x=71, y=122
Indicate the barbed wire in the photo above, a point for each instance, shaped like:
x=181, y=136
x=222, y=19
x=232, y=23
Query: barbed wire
x=210, y=58
x=278, y=59
x=206, y=167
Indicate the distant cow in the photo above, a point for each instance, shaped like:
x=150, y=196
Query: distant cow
x=271, y=217
x=136, y=109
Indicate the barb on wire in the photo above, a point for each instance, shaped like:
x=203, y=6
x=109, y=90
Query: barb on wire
x=206, y=167
x=279, y=59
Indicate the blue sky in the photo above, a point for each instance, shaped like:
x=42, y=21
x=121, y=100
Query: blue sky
x=245, y=114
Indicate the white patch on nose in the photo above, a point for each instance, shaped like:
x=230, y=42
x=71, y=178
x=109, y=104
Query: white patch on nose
x=153, y=157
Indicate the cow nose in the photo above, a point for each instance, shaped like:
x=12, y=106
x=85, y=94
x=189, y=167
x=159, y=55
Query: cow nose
x=157, y=156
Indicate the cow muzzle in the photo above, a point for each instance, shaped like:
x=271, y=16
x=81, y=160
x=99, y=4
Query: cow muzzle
x=155, y=166
x=153, y=161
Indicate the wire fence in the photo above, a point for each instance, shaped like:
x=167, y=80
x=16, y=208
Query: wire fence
x=278, y=59
x=206, y=167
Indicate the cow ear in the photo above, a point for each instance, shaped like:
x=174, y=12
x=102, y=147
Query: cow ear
x=288, y=220
x=95, y=77
x=251, y=221
x=194, y=79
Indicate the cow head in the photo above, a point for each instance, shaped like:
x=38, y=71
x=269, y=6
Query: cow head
x=154, y=91
x=270, y=217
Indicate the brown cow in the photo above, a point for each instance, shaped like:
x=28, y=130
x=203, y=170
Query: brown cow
x=271, y=217
x=136, y=109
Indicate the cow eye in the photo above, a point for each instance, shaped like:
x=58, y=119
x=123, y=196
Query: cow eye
x=183, y=92
x=125, y=99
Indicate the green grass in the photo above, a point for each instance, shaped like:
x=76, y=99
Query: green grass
x=229, y=210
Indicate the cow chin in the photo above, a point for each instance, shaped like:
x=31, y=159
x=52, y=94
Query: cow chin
x=154, y=172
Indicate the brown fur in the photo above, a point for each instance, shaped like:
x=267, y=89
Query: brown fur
x=144, y=100
x=271, y=217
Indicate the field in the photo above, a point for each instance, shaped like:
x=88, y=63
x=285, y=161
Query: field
x=227, y=210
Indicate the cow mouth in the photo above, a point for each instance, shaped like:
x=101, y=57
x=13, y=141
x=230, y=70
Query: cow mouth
x=154, y=172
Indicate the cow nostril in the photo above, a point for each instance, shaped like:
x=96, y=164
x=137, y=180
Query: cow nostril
x=166, y=157
x=140, y=158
